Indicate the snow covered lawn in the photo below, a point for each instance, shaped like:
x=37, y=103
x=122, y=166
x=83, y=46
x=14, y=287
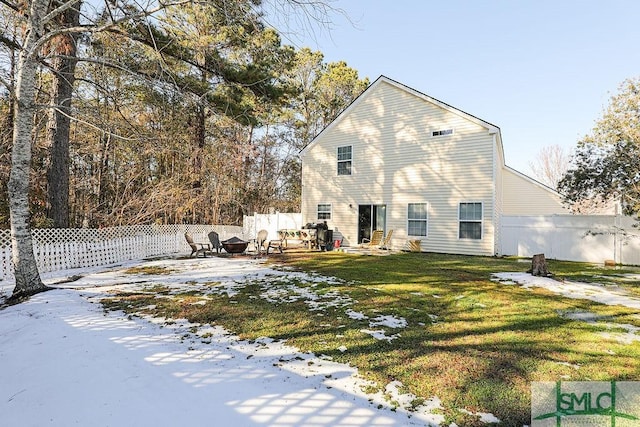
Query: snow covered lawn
x=65, y=361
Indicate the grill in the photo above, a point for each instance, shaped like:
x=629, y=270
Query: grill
x=323, y=236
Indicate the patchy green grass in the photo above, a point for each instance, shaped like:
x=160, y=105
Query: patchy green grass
x=475, y=343
x=148, y=269
x=625, y=277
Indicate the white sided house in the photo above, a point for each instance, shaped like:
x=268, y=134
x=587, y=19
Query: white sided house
x=397, y=159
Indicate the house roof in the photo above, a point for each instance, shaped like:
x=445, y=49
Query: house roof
x=533, y=180
x=493, y=129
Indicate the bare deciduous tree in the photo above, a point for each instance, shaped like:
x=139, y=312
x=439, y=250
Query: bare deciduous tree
x=550, y=165
x=40, y=20
x=45, y=21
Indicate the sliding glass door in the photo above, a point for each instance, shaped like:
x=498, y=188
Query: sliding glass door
x=371, y=217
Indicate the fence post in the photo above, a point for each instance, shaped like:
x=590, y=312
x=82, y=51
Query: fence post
x=617, y=241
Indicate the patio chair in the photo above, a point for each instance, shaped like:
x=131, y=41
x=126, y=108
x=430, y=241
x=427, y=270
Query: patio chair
x=214, y=238
x=261, y=240
x=197, y=248
x=386, y=241
x=376, y=239
x=279, y=243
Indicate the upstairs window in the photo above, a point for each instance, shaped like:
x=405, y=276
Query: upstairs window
x=345, y=157
x=324, y=211
x=470, y=221
x=442, y=132
x=417, y=219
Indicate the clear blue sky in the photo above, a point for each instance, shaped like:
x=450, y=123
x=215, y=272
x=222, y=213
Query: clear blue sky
x=540, y=70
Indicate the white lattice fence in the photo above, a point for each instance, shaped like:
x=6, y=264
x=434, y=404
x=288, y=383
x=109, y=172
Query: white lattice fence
x=62, y=249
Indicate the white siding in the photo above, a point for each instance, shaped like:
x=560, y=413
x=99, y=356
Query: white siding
x=524, y=196
x=396, y=161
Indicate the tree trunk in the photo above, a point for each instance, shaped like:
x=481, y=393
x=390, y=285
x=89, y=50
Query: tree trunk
x=60, y=120
x=28, y=281
x=103, y=173
x=539, y=266
x=197, y=153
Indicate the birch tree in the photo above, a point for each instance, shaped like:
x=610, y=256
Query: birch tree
x=40, y=28
x=28, y=281
x=45, y=21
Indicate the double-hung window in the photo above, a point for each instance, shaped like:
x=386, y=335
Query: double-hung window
x=324, y=211
x=470, y=220
x=417, y=217
x=345, y=157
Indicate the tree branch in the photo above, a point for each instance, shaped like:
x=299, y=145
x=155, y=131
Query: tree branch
x=59, y=10
x=10, y=5
x=10, y=43
x=8, y=85
x=99, y=28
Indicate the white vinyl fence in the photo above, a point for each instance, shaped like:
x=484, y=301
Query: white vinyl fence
x=62, y=249
x=590, y=238
x=272, y=223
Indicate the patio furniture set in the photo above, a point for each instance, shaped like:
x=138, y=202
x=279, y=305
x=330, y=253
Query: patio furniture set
x=313, y=236
x=233, y=245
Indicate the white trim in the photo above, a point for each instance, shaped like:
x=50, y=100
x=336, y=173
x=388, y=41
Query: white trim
x=480, y=122
x=383, y=79
x=418, y=219
x=481, y=221
x=533, y=181
x=330, y=211
x=498, y=205
x=350, y=160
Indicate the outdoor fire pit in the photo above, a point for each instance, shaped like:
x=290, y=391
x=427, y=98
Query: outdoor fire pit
x=234, y=245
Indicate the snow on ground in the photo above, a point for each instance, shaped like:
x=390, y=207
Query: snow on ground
x=632, y=333
x=388, y=321
x=578, y=290
x=65, y=361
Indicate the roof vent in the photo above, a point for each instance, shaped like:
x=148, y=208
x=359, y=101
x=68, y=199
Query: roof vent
x=442, y=132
